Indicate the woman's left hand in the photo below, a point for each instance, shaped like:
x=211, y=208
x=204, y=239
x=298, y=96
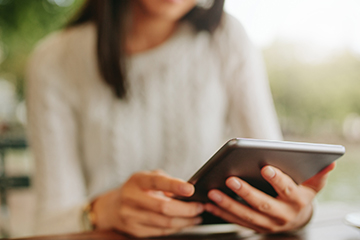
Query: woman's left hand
x=290, y=210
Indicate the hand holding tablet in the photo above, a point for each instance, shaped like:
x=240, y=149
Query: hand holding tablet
x=272, y=198
x=245, y=158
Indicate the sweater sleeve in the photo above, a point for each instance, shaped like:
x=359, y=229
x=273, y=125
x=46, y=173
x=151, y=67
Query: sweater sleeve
x=53, y=133
x=251, y=112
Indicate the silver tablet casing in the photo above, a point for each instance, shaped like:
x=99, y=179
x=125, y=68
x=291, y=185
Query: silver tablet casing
x=244, y=158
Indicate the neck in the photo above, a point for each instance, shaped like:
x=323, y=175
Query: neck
x=147, y=31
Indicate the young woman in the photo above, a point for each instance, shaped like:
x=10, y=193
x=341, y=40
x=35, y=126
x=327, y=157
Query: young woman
x=136, y=85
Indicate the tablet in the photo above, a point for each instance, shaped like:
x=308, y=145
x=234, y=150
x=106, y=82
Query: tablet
x=245, y=158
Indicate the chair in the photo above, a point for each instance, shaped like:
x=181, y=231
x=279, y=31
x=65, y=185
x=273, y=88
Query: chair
x=9, y=182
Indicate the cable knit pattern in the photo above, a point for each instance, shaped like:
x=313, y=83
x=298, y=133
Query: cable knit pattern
x=187, y=96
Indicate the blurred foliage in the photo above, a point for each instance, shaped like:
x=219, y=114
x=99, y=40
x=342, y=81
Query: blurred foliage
x=343, y=183
x=313, y=96
x=22, y=24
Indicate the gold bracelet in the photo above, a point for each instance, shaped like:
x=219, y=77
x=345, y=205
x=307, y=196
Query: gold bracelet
x=88, y=217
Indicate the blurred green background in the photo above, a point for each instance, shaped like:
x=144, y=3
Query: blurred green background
x=22, y=24
x=312, y=98
x=316, y=100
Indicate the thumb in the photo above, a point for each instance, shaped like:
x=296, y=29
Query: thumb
x=318, y=181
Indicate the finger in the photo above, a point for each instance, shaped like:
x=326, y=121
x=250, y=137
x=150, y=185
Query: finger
x=143, y=231
x=286, y=188
x=231, y=218
x=244, y=213
x=163, y=205
x=261, y=201
x=161, y=182
x=153, y=219
x=318, y=181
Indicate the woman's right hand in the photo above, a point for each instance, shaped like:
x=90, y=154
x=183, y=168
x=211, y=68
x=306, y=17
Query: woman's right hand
x=143, y=206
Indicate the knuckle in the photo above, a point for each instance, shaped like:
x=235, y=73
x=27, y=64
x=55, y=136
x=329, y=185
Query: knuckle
x=136, y=177
x=226, y=204
x=157, y=171
x=126, y=197
x=124, y=221
x=168, y=222
x=281, y=180
x=193, y=210
x=285, y=219
x=173, y=185
x=302, y=203
x=248, y=218
x=277, y=181
x=286, y=191
x=246, y=192
x=188, y=211
x=124, y=217
x=153, y=182
x=157, y=182
x=264, y=207
x=163, y=207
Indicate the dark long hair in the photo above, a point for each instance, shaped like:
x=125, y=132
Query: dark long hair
x=109, y=17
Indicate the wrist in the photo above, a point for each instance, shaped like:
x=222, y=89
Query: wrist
x=88, y=217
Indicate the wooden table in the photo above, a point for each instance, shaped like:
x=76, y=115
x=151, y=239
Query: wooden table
x=327, y=224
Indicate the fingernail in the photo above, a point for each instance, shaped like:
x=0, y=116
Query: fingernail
x=216, y=197
x=186, y=188
x=269, y=172
x=234, y=184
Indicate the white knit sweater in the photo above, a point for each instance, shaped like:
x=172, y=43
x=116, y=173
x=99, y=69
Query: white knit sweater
x=187, y=97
